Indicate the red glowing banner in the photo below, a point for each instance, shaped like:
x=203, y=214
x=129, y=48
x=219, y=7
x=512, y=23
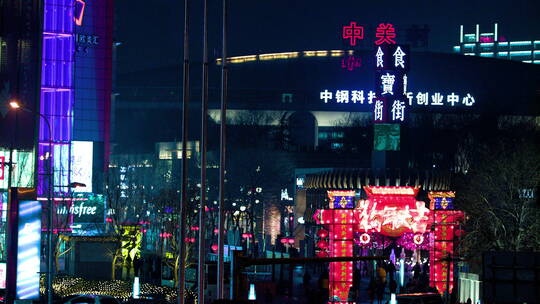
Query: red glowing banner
x=392, y=211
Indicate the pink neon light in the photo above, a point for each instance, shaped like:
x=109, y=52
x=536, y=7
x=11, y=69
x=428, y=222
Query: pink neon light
x=386, y=34
x=353, y=32
x=79, y=18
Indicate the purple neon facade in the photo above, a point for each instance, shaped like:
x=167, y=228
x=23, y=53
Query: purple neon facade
x=56, y=100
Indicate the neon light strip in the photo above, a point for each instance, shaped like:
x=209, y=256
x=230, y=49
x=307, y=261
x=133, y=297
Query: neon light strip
x=457, y=48
x=469, y=54
x=520, y=53
x=496, y=31
x=503, y=43
x=461, y=34
x=502, y=53
x=520, y=42
x=486, y=54
x=487, y=44
x=469, y=44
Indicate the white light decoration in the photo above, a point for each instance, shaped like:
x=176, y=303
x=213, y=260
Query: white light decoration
x=387, y=82
x=136, y=288
x=401, y=271
x=398, y=110
x=379, y=55
x=252, y=296
x=379, y=110
x=301, y=220
x=437, y=99
x=398, y=58
x=242, y=208
x=326, y=95
x=342, y=96
x=357, y=96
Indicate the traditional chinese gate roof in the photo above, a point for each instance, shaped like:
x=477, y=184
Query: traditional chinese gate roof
x=430, y=180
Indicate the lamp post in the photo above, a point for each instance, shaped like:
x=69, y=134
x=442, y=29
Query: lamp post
x=16, y=105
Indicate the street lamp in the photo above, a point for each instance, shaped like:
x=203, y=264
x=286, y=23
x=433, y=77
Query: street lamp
x=16, y=105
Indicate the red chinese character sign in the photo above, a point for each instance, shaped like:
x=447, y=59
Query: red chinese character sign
x=386, y=34
x=352, y=32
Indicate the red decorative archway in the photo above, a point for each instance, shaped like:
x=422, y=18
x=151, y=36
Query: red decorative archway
x=393, y=212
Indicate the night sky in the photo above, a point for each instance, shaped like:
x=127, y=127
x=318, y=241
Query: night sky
x=151, y=31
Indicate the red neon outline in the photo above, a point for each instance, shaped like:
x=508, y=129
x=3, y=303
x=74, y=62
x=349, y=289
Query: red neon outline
x=79, y=20
x=353, y=32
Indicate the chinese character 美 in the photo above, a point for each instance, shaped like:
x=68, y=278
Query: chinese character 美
x=386, y=33
x=379, y=110
x=398, y=110
x=388, y=83
x=353, y=32
x=326, y=95
x=357, y=96
x=371, y=96
x=437, y=99
x=398, y=58
x=422, y=98
x=452, y=99
x=342, y=96
x=468, y=100
x=379, y=55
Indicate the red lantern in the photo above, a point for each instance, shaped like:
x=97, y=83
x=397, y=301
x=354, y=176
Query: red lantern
x=322, y=244
x=322, y=233
x=214, y=247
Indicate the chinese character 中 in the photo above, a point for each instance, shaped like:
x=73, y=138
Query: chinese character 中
x=422, y=98
x=379, y=55
x=388, y=83
x=326, y=95
x=468, y=100
x=357, y=96
x=386, y=33
x=452, y=99
x=398, y=110
x=437, y=99
x=398, y=58
x=353, y=32
x=342, y=96
x=371, y=96
x=378, y=111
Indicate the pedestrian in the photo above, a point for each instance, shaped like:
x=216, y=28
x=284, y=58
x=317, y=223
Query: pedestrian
x=371, y=290
x=381, y=285
x=391, y=269
x=416, y=270
x=392, y=286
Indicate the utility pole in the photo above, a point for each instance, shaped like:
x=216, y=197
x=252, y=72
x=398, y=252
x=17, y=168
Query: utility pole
x=184, y=199
x=204, y=133
x=222, y=145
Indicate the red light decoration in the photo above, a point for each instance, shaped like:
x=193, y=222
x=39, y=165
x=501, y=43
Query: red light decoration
x=353, y=32
x=322, y=233
x=386, y=34
x=322, y=254
x=214, y=247
x=291, y=241
x=365, y=238
x=418, y=239
x=322, y=244
x=246, y=235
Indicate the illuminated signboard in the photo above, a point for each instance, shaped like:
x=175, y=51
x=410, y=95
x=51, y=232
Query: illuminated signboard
x=84, y=208
x=81, y=164
x=28, y=250
x=419, y=99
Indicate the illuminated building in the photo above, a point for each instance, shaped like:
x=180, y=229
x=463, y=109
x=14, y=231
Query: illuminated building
x=494, y=45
